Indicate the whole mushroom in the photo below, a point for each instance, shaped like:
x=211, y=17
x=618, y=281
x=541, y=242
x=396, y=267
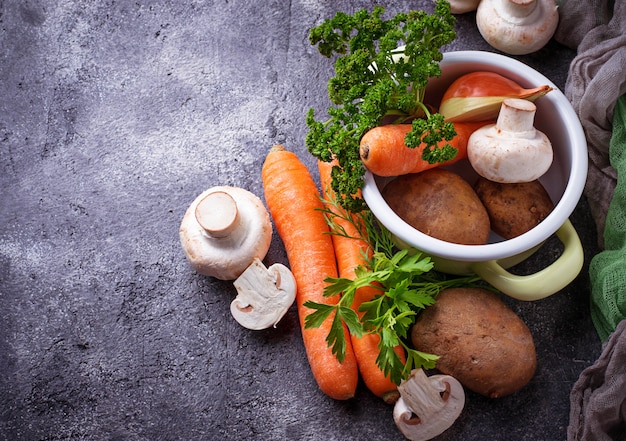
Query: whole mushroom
x=512, y=150
x=517, y=27
x=223, y=230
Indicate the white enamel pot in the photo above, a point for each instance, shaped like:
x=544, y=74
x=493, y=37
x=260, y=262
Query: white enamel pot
x=564, y=182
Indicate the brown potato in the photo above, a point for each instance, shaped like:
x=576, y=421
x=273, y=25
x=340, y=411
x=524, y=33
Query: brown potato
x=441, y=204
x=480, y=341
x=514, y=208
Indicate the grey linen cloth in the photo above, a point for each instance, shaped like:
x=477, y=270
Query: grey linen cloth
x=598, y=398
x=597, y=77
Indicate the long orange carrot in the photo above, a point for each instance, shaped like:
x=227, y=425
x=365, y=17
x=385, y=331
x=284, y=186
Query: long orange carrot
x=384, y=152
x=349, y=253
x=294, y=203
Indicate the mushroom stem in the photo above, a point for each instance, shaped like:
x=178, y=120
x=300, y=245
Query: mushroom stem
x=217, y=213
x=517, y=116
x=519, y=9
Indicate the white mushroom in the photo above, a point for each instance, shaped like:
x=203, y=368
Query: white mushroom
x=517, y=27
x=223, y=230
x=512, y=150
x=463, y=6
x=427, y=406
x=264, y=295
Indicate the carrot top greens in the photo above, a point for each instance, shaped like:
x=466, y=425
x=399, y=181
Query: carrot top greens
x=407, y=283
x=375, y=79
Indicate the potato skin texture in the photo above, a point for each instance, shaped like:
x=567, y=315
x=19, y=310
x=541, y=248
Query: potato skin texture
x=516, y=208
x=480, y=341
x=441, y=204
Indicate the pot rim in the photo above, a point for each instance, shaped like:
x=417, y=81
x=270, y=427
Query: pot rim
x=498, y=250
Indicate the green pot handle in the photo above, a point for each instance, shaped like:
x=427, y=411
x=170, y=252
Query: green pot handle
x=544, y=283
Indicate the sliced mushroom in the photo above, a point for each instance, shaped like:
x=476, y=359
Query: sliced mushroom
x=264, y=295
x=427, y=405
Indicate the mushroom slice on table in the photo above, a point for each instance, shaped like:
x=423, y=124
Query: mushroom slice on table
x=264, y=295
x=427, y=405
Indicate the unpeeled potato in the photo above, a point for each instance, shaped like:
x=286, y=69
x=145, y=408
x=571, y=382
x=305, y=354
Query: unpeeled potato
x=441, y=204
x=481, y=342
x=514, y=208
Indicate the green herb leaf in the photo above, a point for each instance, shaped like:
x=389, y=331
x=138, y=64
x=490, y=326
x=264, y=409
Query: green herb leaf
x=351, y=319
x=321, y=313
x=336, y=339
x=336, y=286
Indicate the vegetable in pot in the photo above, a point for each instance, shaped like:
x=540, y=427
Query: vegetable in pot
x=441, y=204
x=512, y=149
x=384, y=151
x=478, y=96
x=514, y=208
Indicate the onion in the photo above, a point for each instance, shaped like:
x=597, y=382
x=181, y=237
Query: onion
x=478, y=96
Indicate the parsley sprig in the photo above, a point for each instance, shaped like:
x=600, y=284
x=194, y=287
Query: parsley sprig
x=407, y=283
x=375, y=79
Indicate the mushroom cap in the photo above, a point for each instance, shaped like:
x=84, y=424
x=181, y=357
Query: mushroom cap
x=512, y=161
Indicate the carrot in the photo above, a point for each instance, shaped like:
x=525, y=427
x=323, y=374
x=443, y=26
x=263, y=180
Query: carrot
x=294, y=203
x=384, y=152
x=349, y=254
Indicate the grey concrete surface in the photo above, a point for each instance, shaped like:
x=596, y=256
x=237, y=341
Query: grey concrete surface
x=114, y=115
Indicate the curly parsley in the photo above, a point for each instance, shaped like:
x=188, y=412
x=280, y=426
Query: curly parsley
x=374, y=80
